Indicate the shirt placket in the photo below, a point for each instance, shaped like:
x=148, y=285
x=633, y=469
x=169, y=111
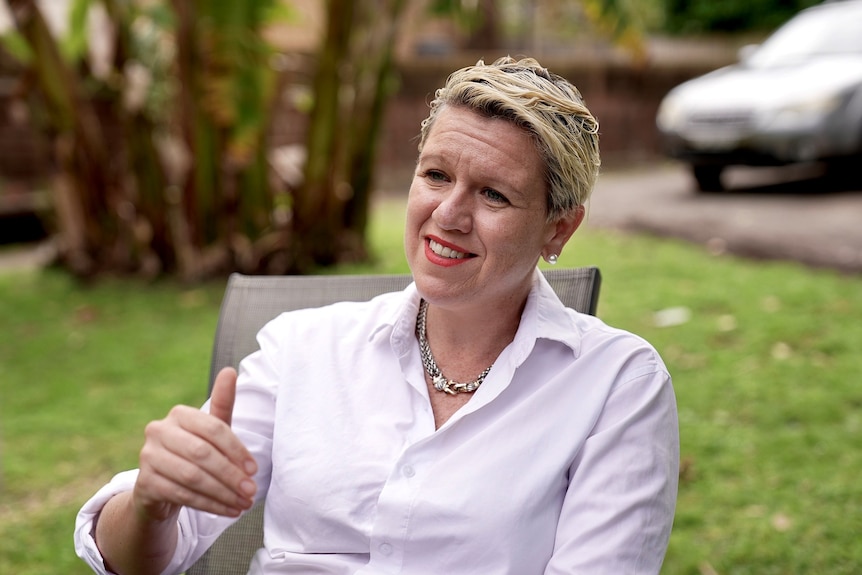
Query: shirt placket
x=395, y=506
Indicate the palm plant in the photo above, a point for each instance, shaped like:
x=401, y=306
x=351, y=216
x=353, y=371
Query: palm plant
x=163, y=157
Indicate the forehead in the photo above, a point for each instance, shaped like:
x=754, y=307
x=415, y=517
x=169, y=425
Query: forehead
x=481, y=142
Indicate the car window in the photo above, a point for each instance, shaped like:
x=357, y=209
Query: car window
x=812, y=33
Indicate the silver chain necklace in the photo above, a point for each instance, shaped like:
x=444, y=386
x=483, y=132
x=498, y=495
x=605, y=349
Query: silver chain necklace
x=440, y=382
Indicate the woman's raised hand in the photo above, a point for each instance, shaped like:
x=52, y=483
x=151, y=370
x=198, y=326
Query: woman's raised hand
x=194, y=459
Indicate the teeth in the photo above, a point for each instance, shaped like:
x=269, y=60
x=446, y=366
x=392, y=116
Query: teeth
x=444, y=251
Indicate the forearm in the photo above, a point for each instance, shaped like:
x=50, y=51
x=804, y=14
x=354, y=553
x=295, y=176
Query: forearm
x=132, y=544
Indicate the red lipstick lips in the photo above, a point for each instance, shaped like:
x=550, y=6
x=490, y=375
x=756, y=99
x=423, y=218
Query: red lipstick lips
x=445, y=254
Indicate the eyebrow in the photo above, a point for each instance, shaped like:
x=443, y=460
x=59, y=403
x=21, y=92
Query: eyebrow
x=491, y=181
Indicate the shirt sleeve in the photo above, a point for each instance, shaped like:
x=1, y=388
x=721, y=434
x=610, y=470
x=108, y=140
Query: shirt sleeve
x=85, y=522
x=252, y=422
x=190, y=522
x=618, y=510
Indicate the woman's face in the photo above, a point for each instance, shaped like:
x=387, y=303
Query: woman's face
x=476, y=213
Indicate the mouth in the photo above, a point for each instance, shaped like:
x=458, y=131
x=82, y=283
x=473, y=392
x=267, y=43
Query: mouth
x=447, y=252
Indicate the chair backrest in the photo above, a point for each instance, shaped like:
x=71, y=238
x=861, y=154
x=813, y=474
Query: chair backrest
x=250, y=301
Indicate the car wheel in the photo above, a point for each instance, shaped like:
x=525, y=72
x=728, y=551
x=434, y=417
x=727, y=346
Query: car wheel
x=708, y=177
x=846, y=172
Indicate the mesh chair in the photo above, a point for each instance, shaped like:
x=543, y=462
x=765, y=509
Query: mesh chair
x=250, y=301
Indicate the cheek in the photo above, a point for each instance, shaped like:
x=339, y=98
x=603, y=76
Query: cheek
x=416, y=214
x=513, y=230
x=419, y=207
x=515, y=241
x=411, y=216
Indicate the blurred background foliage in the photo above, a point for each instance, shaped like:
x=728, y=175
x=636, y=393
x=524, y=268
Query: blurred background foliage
x=163, y=116
x=699, y=16
x=160, y=114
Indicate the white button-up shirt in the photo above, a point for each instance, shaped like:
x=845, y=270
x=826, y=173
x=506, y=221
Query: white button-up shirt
x=564, y=461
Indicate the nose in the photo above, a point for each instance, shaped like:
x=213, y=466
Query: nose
x=455, y=211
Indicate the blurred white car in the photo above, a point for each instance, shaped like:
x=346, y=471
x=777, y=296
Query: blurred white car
x=796, y=98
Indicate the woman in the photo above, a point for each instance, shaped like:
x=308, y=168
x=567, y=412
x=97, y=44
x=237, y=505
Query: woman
x=470, y=424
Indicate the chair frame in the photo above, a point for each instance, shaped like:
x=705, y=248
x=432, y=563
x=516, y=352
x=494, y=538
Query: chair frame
x=250, y=301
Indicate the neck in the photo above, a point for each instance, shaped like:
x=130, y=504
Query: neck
x=477, y=330
x=464, y=344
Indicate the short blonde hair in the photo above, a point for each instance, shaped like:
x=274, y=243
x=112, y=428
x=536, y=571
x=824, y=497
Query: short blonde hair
x=544, y=104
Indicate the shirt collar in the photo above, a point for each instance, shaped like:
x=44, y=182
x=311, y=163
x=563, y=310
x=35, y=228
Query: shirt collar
x=553, y=320
x=544, y=317
x=397, y=319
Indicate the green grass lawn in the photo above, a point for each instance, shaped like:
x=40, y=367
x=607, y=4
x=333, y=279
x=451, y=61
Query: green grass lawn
x=767, y=371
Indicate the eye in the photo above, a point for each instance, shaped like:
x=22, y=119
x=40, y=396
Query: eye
x=436, y=176
x=495, y=196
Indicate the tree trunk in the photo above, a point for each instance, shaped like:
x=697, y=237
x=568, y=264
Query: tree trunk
x=186, y=188
x=373, y=84
x=352, y=83
x=81, y=153
x=486, y=36
x=317, y=208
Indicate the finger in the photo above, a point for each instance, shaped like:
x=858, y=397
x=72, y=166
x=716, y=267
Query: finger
x=202, y=440
x=221, y=406
x=182, y=485
x=194, y=464
x=223, y=394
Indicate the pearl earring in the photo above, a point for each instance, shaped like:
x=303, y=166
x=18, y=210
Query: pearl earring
x=552, y=259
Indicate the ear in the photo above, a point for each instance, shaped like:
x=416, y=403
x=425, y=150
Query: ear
x=560, y=231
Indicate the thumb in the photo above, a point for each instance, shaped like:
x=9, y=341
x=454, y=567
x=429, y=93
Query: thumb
x=223, y=395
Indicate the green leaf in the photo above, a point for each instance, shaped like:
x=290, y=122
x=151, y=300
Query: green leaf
x=74, y=45
x=17, y=47
x=280, y=13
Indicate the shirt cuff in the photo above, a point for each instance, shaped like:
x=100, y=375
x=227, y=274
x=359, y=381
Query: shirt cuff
x=85, y=522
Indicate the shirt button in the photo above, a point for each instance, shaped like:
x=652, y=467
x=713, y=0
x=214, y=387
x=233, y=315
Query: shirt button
x=409, y=471
x=385, y=548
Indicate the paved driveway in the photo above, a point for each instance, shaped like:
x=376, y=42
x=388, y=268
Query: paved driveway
x=807, y=217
